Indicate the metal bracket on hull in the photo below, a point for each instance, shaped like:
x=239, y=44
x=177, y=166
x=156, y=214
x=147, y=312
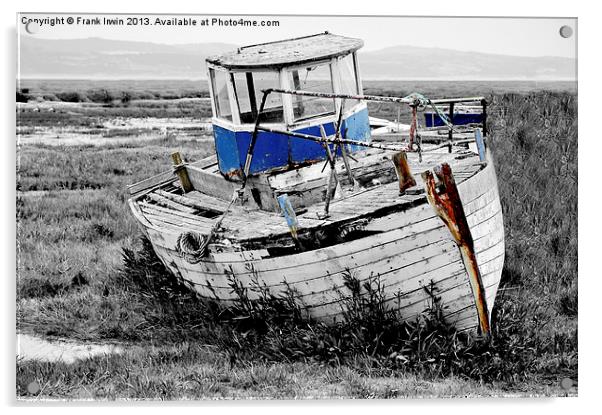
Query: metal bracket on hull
x=448, y=207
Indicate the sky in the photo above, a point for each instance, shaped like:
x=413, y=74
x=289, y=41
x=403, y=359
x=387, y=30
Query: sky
x=507, y=36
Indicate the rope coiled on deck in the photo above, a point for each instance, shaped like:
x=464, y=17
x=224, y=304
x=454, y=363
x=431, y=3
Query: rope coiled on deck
x=191, y=246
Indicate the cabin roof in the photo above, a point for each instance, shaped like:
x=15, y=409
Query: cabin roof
x=275, y=55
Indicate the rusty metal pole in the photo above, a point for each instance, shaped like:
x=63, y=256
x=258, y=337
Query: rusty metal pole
x=413, y=126
x=405, y=100
x=351, y=142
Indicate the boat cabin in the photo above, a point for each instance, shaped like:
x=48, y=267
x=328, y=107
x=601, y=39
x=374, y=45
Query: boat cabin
x=324, y=63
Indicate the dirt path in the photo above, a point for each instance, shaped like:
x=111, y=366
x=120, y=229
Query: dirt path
x=35, y=348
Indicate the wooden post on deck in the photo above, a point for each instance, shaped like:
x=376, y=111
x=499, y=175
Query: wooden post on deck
x=180, y=170
x=404, y=175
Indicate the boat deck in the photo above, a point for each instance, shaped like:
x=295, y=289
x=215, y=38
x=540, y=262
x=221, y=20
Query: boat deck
x=168, y=209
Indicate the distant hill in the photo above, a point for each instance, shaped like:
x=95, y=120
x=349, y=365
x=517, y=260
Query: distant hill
x=409, y=62
x=115, y=59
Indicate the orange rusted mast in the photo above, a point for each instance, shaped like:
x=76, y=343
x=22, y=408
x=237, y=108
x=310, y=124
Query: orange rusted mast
x=448, y=207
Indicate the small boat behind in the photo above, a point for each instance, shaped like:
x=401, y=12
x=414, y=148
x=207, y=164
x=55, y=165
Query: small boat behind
x=303, y=191
x=459, y=115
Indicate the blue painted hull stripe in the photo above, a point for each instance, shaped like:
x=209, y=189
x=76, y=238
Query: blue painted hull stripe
x=279, y=151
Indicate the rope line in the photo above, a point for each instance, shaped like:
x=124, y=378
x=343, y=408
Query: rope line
x=424, y=102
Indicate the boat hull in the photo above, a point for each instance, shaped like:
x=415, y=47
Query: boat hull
x=412, y=252
x=431, y=119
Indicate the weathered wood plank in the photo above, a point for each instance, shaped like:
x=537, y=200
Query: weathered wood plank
x=173, y=222
x=162, y=201
x=207, y=202
x=417, y=303
x=407, y=249
x=488, y=230
x=412, y=230
x=194, y=219
x=188, y=201
x=211, y=184
x=165, y=177
x=453, y=291
x=485, y=180
x=461, y=312
x=406, y=278
x=153, y=181
x=482, y=200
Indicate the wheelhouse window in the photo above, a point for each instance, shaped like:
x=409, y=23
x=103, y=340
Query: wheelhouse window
x=247, y=89
x=349, y=81
x=219, y=83
x=316, y=78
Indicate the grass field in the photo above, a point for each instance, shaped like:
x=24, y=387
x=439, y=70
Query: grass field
x=73, y=225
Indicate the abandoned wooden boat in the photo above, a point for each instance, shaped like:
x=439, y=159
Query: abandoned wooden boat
x=300, y=193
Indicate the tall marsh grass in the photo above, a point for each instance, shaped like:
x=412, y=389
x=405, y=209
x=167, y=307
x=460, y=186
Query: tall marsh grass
x=533, y=137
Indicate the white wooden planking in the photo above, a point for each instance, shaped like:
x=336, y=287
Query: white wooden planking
x=456, y=296
x=180, y=224
x=380, y=259
x=413, y=250
x=184, y=216
x=405, y=277
x=414, y=299
x=454, y=291
x=151, y=182
x=337, y=258
x=462, y=316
